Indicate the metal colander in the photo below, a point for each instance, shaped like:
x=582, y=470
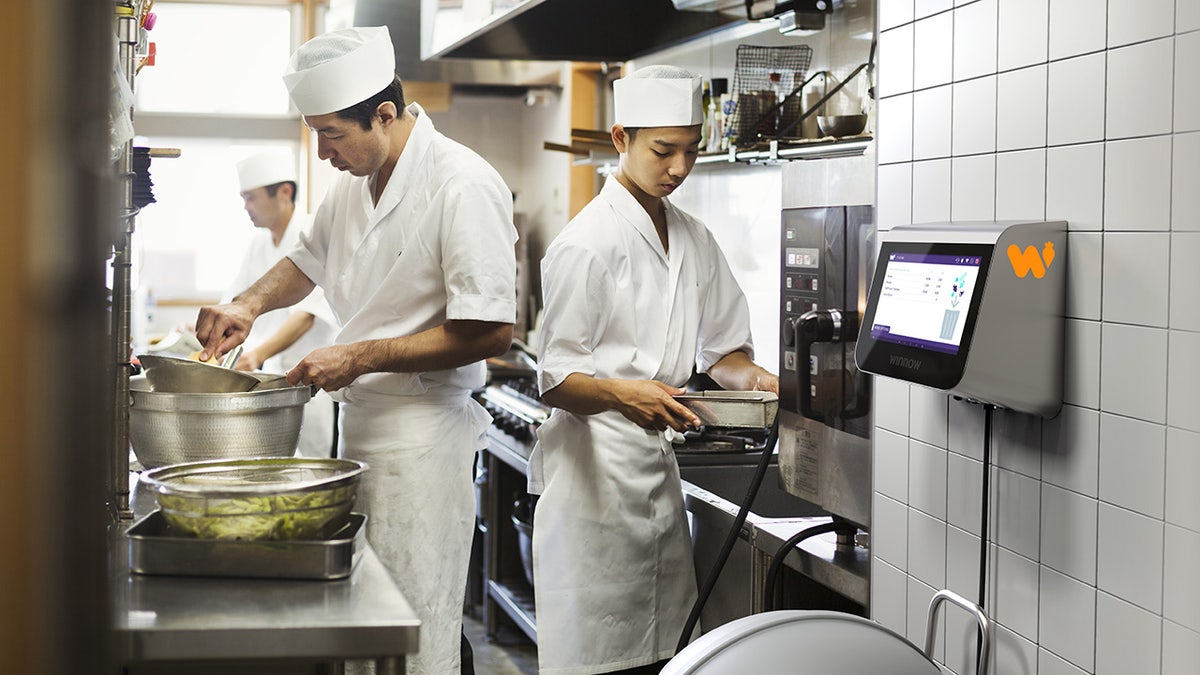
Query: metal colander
x=263, y=498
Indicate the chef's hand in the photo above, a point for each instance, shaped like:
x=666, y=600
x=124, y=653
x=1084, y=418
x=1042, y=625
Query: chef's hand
x=249, y=360
x=766, y=381
x=220, y=328
x=650, y=405
x=329, y=368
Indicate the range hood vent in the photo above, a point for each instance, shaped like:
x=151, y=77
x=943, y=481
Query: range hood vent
x=586, y=30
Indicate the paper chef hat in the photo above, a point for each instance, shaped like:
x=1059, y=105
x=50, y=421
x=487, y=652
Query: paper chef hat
x=266, y=168
x=657, y=96
x=334, y=71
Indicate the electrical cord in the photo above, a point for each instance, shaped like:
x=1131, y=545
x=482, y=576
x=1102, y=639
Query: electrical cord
x=731, y=538
x=792, y=542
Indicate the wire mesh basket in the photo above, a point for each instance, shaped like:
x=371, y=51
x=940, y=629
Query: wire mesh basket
x=766, y=89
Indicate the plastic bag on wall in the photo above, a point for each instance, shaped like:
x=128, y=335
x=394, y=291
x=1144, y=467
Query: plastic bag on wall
x=120, y=112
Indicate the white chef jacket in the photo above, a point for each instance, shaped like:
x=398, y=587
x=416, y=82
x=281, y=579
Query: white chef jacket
x=613, y=571
x=429, y=252
x=438, y=246
x=261, y=255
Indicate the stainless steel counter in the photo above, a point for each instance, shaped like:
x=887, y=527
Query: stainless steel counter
x=160, y=619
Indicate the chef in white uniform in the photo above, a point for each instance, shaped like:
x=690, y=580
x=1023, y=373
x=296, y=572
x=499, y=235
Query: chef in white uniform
x=281, y=337
x=636, y=293
x=413, y=245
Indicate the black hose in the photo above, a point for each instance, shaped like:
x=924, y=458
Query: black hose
x=781, y=553
x=731, y=538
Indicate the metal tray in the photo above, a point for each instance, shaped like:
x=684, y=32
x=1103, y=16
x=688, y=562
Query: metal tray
x=155, y=549
x=732, y=409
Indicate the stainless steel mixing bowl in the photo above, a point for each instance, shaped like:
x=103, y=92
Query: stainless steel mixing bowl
x=264, y=498
x=184, y=376
x=169, y=428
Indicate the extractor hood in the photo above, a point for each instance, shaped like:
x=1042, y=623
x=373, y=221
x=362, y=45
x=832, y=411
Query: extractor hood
x=482, y=75
x=581, y=30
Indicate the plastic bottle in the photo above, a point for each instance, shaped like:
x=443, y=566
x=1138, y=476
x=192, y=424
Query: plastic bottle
x=706, y=113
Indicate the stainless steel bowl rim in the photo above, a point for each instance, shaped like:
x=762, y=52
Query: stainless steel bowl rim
x=278, y=397
x=156, y=479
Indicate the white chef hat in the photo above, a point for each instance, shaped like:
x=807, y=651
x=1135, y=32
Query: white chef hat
x=657, y=96
x=338, y=69
x=266, y=168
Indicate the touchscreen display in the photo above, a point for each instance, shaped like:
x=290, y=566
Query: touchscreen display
x=924, y=298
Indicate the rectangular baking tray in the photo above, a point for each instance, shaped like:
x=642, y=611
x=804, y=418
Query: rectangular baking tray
x=155, y=549
x=732, y=409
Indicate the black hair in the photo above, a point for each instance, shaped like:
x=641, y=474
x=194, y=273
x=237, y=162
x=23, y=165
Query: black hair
x=274, y=187
x=364, y=112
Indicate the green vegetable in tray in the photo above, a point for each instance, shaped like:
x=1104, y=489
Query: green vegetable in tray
x=285, y=516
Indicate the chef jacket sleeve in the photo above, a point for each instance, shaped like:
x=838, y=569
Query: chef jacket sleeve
x=478, y=253
x=577, y=294
x=725, y=316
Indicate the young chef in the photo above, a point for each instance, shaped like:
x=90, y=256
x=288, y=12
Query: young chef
x=636, y=293
x=281, y=337
x=413, y=245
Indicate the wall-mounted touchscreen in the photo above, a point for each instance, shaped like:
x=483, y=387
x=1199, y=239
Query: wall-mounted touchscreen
x=924, y=299
x=924, y=302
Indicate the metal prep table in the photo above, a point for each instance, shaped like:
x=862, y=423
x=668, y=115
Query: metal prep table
x=163, y=623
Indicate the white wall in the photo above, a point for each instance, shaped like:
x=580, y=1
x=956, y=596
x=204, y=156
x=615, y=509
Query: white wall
x=1088, y=112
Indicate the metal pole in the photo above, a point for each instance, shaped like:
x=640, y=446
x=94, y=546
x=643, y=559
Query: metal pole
x=127, y=38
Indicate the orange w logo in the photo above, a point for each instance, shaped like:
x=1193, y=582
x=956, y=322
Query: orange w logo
x=1029, y=261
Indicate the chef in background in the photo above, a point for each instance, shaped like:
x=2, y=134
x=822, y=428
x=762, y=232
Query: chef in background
x=636, y=294
x=413, y=246
x=281, y=337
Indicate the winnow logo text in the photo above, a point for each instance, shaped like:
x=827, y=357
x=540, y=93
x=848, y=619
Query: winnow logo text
x=905, y=362
x=1024, y=262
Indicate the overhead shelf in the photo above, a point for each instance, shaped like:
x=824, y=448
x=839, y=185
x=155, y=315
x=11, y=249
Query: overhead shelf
x=589, y=150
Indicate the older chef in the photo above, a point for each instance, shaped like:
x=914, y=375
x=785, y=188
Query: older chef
x=636, y=292
x=413, y=245
x=281, y=337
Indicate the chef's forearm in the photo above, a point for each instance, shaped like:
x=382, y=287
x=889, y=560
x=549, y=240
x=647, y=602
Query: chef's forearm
x=737, y=372
x=296, y=325
x=282, y=286
x=453, y=344
x=581, y=394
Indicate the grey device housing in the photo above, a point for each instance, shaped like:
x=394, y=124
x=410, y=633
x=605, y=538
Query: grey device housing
x=1011, y=353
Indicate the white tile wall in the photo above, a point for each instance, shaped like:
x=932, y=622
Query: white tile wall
x=892, y=413
x=1127, y=638
x=1133, y=376
x=1139, y=89
x=1021, y=108
x=1017, y=512
x=931, y=123
x=1082, y=385
x=1076, y=27
x=1069, y=532
x=895, y=129
x=895, y=60
x=1183, y=465
x=974, y=124
x=1024, y=33
x=1067, y=617
x=1137, y=186
x=1075, y=100
x=1187, y=15
x=1071, y=451
x=893, y=203
x=894, y=13
x=927, y=415
x=931, y=191
x=932, y=50
x=1021, y=185
x=919, y=595
x=1087, y=111
x=1183, y=380
x=1075, y=186
x=1134, y=291
x=889, y=593
x=890, y=464
x=1185, y=279
x=1187, y=74
x=973, y=188
x=975, y=30
x=1133, y=457
x=1185, y=176
x=1085, y=258
x=1181, y=650
x=1130, y=22
x=1181, y=584
x=1129, y=556
x=889, y=531
x=927, y=548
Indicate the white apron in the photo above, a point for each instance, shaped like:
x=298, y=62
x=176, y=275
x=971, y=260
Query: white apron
x=613, y=568
x=419, y=497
